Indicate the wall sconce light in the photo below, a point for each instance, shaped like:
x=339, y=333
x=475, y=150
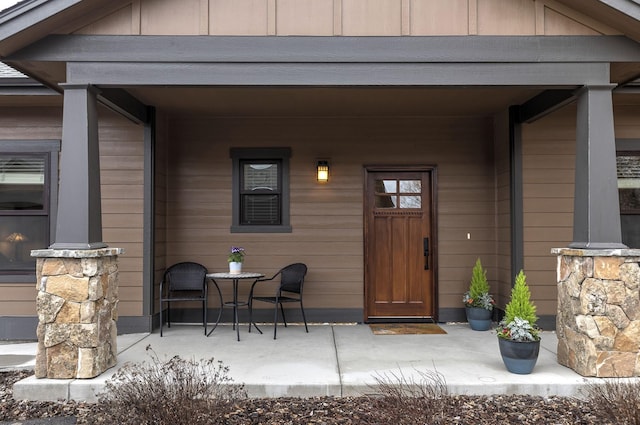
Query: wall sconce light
x=322, y=168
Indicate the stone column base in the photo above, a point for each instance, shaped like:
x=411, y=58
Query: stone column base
x=77, y=311
x=598, y=321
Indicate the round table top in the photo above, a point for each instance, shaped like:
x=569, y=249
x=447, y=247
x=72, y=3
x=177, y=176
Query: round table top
x=227, y=275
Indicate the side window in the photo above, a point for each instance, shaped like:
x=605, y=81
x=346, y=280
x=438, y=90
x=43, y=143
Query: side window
x=27, y=169
x=628, y=167
x=260, y=190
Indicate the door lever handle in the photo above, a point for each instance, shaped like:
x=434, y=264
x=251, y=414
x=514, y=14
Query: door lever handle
x=425, y=242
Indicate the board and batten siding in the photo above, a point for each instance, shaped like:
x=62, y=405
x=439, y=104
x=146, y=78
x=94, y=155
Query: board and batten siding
x=346, y=18
x=121, y=160
x=327, y=220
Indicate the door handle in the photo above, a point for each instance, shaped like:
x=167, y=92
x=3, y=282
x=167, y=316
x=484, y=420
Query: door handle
x=425, y=242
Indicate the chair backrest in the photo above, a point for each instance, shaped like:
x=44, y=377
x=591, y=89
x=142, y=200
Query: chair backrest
x=292, y=277
x=187, y=276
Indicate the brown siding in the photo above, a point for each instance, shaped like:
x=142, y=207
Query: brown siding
x=549, y=155
x=121, y=177
x=327, y=220
x=346, y=17
x=548, y=176
x=121, y=167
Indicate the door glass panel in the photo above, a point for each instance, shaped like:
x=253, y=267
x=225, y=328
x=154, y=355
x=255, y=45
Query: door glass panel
x=386, y=201
x=386, y=186
x=410, y=202
x=410, y=186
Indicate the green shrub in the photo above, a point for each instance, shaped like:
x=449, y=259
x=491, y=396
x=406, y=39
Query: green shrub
x=519, y=322
x=478, y=293
x=520, y=304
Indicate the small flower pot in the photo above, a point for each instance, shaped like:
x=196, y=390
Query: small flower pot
x=235, y=268
x=519, y=356
x=479, y=318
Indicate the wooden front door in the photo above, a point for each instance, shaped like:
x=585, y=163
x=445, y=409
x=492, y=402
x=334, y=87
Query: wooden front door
x=399, y=243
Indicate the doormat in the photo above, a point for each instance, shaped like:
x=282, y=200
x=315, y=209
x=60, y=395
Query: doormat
x=406, y=329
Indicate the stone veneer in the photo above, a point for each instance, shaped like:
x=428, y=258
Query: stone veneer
x=598, y=321
x=77, y=306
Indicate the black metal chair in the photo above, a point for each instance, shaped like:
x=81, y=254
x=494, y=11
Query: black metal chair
x=291, y=283
x=186, y=281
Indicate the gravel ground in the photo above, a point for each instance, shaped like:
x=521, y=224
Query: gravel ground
x=453, y=410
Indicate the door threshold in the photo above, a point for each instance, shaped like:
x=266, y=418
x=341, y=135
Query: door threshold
x=393, y=319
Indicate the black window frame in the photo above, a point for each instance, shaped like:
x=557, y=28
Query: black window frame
x=241, y=156
x=50, y=149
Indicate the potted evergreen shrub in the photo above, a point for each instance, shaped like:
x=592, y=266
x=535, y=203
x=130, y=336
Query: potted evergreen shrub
x=518, y=333
x=477, y=300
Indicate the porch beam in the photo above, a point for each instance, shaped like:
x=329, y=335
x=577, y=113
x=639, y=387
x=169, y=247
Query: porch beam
x=427, y=49
x=543, y=104
x=571, y=75
x=596, y=214
x=79, y=220
x=125, y=104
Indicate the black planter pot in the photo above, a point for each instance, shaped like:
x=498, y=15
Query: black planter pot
x=479, y=318
x=519, y=357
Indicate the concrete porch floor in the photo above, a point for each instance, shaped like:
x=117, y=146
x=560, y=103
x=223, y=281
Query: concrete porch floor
x=331, y=360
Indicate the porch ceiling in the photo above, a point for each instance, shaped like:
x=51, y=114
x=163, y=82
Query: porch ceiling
x=332, y=101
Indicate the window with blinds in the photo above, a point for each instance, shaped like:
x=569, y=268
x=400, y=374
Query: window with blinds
x=22, y=182
x=260, y=195
x=24, y=209
x=260, y=187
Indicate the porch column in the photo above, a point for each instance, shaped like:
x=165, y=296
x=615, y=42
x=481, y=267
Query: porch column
x=79, y=220
x=596, y=214
x=77, y=277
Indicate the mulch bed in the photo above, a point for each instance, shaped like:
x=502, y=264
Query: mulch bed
x=477, y=410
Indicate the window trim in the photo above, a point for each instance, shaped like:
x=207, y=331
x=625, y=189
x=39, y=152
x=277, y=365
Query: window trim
x=248, y=154
x=51, y=147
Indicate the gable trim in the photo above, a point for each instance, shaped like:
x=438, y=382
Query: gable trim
x=438, y=49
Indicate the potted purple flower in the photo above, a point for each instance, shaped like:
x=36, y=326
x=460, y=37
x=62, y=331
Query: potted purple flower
x=235, y=259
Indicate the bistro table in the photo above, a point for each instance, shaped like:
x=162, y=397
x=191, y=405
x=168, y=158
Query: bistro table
x=235, y=278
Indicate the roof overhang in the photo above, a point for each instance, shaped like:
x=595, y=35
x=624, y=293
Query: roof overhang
x=624, y=15
x=29, y=21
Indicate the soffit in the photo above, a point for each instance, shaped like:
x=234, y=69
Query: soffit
x=326, y=101
x=332, y=101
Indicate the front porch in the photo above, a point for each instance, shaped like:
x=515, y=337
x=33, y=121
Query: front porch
x=334, y=360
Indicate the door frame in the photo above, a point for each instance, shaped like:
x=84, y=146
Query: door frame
x=433, y=170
